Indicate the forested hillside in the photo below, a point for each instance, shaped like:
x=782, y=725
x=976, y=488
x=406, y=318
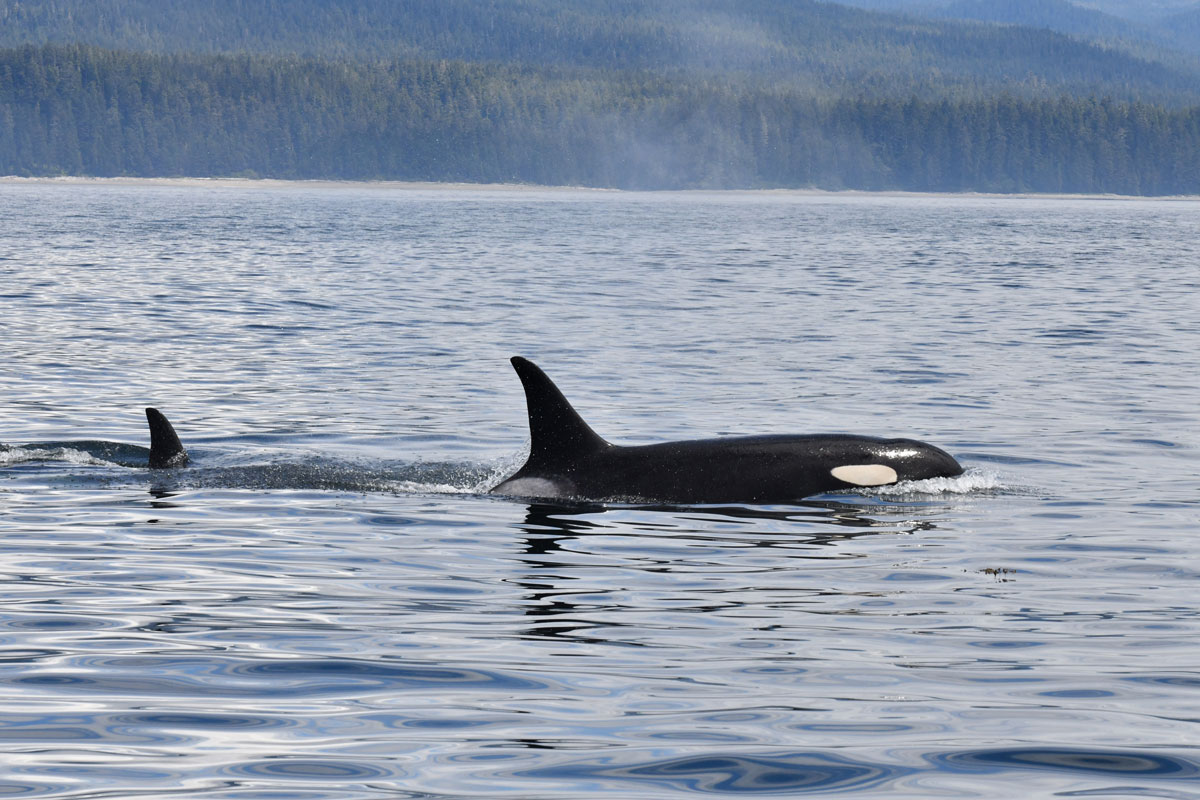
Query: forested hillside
x=80, y=110
x=622, y=93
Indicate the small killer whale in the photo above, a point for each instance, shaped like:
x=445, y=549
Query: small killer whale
x=567, y=459
x=166, y=451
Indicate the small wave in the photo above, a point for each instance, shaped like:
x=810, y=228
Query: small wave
x=972, y=481
x=326, y=474
x=12, y=456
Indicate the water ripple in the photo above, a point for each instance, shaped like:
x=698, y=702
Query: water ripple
x=792, y=773
x=1106, y=763
x=327, y=605
x=223, y=677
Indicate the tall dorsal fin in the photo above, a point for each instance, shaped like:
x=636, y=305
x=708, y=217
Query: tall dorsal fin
x=557, y=433
x=165, y=448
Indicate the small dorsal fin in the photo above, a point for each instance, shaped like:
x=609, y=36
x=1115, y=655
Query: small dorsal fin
x=165, y=448
x=557, y=433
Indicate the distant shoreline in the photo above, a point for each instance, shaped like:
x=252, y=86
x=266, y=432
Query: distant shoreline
x=433, y=186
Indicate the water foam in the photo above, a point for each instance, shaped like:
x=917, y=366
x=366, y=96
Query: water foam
x=11, y=456
x=972, y=481
x=416, y=487
x=498, y=470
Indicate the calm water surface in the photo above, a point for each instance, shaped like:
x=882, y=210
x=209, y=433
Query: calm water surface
x=327, y=604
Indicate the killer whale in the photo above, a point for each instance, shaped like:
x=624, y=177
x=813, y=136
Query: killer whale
x=567, y=459
x=166, y=450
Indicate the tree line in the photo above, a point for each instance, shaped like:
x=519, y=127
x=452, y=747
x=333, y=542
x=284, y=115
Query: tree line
x=76, y=110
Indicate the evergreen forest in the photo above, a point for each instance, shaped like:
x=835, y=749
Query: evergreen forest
x=695, y=94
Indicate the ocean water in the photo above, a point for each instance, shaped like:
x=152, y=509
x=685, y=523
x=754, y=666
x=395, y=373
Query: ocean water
x=328, y=604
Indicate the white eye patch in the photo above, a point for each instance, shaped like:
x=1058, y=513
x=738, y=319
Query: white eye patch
x=865, y=474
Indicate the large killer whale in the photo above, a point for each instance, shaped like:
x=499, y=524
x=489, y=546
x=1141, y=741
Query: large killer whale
x=567, y=459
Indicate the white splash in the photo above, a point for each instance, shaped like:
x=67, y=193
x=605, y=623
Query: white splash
x=22, y=455
x=500, y=469
x=416, y=487
x=973, y=480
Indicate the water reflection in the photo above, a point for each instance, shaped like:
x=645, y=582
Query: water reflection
x=814, y=524
x=563, y=544
x=573, y=518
